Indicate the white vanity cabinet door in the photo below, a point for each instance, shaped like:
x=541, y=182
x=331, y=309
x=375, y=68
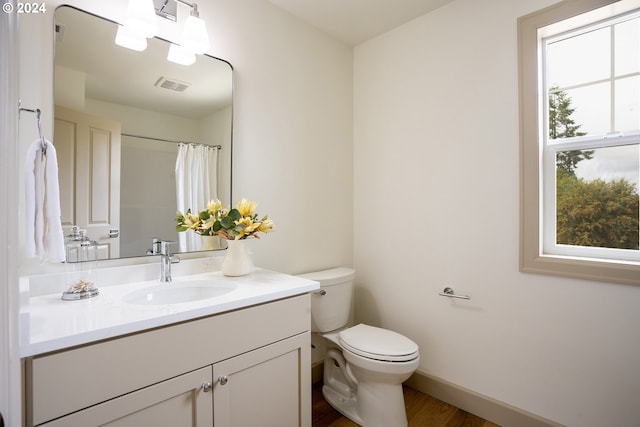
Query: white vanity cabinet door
x=177, y=402
x=267, y=387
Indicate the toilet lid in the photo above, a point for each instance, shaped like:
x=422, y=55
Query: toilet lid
x=379, y=344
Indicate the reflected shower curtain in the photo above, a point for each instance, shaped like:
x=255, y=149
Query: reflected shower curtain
x=196, y=185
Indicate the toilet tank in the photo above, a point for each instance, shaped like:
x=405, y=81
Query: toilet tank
x=331, y=306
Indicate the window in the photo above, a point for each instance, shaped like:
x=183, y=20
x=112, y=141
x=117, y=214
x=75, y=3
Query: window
x=580, y=136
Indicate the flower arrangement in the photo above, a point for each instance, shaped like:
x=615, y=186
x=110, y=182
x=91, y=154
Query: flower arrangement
x=238, y=223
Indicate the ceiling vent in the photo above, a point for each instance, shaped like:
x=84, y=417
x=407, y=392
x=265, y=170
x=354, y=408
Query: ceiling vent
x=172, y=84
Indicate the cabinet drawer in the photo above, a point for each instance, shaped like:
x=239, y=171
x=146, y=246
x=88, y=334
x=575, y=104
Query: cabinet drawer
x=63, y=382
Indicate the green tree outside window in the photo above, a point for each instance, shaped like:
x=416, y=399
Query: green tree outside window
x=593, y=213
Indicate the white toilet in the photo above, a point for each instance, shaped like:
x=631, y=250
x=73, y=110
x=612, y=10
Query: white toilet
x=364, y=366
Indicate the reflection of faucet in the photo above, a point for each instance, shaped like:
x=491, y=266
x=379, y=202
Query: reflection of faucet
x=166, y=259
x=155, y=247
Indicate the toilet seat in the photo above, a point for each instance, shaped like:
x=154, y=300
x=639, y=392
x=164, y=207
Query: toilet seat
x=378, y=344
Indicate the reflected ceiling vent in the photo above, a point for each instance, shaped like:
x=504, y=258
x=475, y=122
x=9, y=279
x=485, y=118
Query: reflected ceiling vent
x=172, y=84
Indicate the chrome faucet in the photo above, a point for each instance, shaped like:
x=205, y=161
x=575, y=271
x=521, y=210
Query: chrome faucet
x=166, y=259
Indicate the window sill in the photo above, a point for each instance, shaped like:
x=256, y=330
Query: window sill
x=608, y=271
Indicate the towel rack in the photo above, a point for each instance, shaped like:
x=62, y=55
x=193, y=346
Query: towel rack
x=43, y=141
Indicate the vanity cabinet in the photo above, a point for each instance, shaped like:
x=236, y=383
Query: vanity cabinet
x=246, y=367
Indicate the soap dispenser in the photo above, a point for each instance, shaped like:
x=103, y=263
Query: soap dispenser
x=81, y=256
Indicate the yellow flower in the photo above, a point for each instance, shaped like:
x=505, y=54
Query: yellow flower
x=208, y=223
x=239, y=223
x=214, y=206
x=191, y=221
x=246, y=207
x=265, y=226
x=247, y=224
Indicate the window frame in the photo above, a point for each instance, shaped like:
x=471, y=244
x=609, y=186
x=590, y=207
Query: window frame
x=532, y=108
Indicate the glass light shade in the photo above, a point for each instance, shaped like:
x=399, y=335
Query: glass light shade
x=195, y=37
x=180, y=55
x=141, y=17
x=130, y=39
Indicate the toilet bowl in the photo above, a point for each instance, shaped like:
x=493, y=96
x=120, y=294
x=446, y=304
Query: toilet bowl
x=364, y=366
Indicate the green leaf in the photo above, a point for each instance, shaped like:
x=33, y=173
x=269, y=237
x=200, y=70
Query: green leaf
x=234, y=214
x=227, y=223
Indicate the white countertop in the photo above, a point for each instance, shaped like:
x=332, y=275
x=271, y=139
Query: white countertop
x=47, y=323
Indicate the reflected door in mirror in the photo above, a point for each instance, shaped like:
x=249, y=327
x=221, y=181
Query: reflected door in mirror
x=88, y=150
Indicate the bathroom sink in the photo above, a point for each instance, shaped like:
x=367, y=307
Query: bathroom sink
x=178, y=292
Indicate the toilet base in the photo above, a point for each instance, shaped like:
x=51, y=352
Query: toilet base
x=381, y=406
x=378, y=403
x=345, y=405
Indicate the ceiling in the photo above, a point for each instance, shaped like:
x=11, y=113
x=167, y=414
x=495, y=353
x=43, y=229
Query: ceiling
x=355, y=21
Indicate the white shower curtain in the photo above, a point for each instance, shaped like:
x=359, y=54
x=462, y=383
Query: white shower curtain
x=196, y=185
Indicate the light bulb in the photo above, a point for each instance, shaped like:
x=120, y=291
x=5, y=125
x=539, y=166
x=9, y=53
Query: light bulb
x=141, y=17
x=180, y=55
x=195, y=37
x=130, y=39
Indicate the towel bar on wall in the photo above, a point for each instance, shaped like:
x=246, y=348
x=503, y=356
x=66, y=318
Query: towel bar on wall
x=43, y=142
x=448, y=292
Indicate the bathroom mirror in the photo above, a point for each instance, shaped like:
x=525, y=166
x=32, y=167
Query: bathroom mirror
x=121, y=116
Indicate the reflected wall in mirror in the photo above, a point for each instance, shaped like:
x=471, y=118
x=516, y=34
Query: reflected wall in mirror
x=121, y=116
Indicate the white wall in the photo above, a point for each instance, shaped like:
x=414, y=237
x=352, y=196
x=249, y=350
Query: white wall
x=292, y=133
x=216, y=129
x=436, y=176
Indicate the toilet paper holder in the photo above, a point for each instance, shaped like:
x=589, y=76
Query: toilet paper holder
x=448, y=292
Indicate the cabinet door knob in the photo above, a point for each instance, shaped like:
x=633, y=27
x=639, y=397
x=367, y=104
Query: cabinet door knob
x=206, y=387
x=223, y=379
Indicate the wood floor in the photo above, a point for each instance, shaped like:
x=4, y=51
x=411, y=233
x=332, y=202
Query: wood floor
x=422, y=411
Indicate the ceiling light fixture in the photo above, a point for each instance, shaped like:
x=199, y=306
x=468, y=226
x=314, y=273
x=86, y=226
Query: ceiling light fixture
x=195, y=37
x=141, y=23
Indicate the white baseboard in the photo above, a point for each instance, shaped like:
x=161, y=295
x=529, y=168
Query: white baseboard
x=485, y=407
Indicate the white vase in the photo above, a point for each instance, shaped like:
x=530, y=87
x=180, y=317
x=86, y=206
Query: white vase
x=237, y=261
x=210, y=243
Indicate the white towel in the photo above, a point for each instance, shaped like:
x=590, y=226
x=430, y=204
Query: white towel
x=44, y=237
